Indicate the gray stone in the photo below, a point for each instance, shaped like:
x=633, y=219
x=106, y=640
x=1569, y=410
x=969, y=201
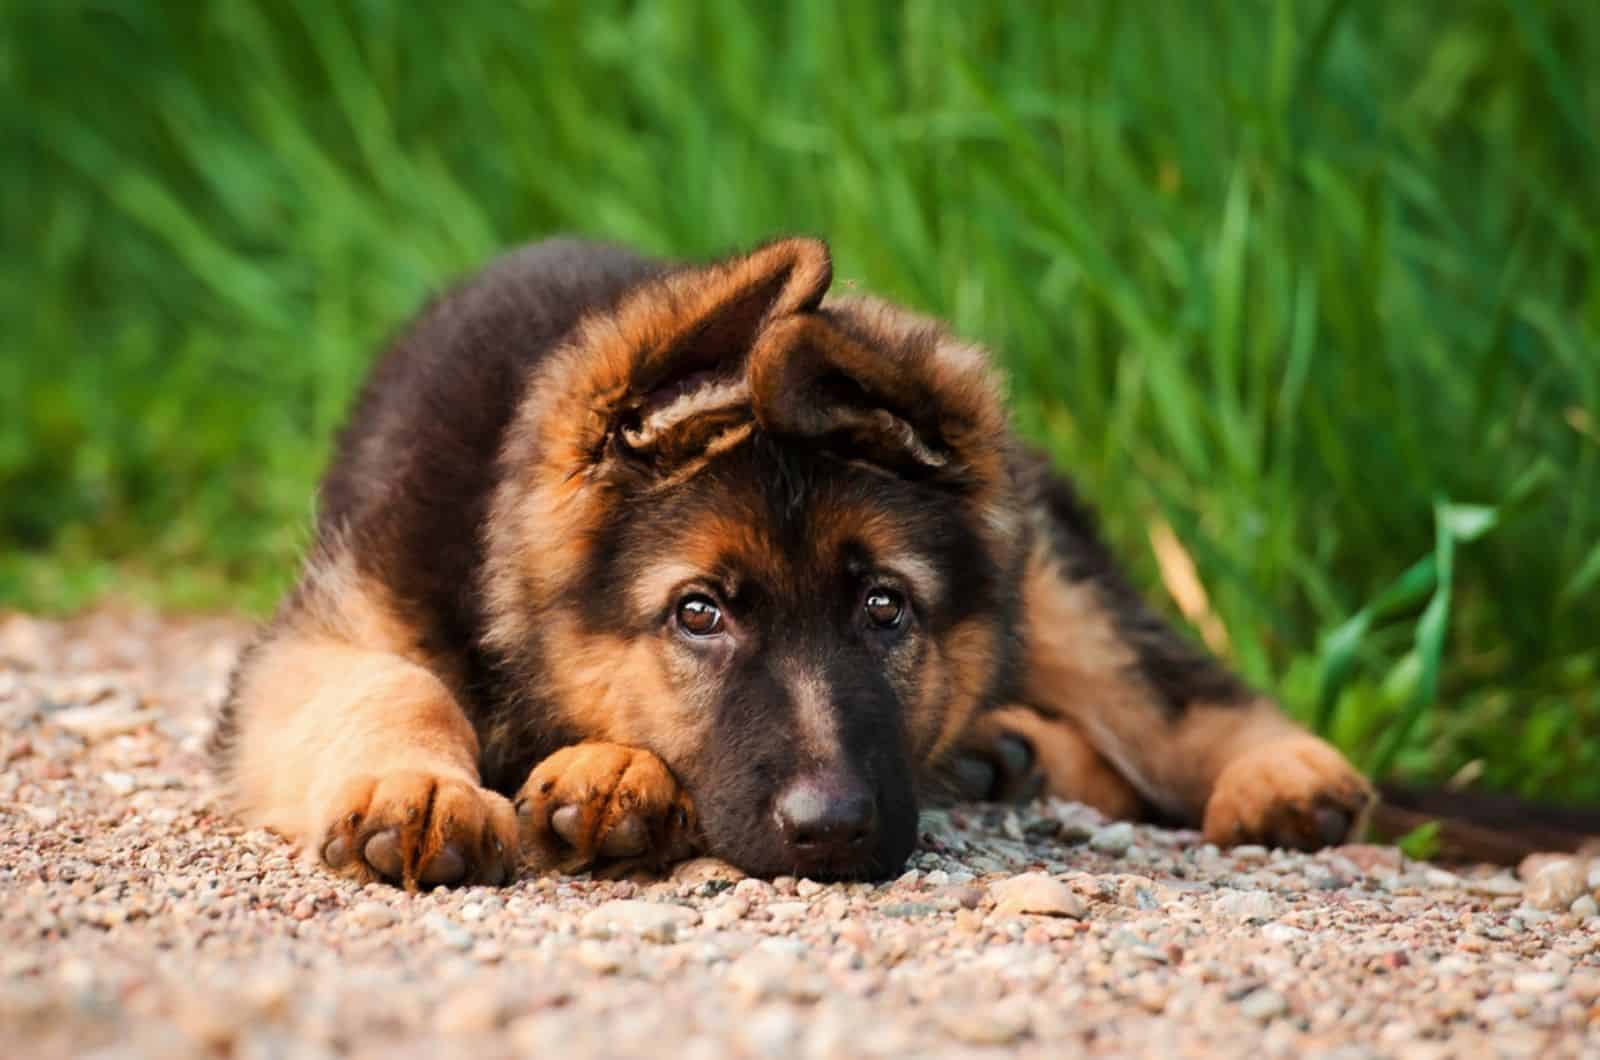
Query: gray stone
x=1113, y=839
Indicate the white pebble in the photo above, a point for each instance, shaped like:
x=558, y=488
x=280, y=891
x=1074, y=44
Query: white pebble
x=121, y=783
x=1536, y=982
x=373, y=914
x=449, y=932
x=1264, y=1005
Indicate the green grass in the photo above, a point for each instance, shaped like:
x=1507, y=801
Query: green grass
x=1313, y=282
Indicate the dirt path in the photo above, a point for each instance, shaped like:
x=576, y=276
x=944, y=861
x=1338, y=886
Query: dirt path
x=136, y=919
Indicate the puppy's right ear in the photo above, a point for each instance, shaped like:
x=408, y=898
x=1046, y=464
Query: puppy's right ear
x=651, y=384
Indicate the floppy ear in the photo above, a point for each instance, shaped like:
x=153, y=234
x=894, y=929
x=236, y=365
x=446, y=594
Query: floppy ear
x=641, y=388
x=884, y=386
x=669, y=377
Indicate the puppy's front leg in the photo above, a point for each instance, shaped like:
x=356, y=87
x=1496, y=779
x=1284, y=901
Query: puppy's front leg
x=363, y=758
x=1188, y=737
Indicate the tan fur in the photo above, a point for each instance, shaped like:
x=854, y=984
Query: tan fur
x=614, y=690
x=1273, y=781
x=1238, y=767
x=654, y=586
x=956, y=684
x=334, y=720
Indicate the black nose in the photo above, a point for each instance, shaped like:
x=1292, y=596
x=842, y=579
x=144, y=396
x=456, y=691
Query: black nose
x=827, y=818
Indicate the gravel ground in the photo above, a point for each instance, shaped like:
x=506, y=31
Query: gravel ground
x=136, y=919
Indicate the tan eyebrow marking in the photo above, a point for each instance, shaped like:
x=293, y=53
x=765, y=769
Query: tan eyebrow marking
x=917, y=572
x=651, y=588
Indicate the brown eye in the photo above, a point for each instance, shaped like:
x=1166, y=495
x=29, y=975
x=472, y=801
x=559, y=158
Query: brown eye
x=885, y=608
x=698, y=616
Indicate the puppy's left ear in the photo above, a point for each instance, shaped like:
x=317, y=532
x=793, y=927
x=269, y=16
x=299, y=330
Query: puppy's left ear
x=646, y=387
x=883, y=386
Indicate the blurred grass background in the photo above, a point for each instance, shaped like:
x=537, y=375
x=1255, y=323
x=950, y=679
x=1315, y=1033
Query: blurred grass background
x=1312, y=284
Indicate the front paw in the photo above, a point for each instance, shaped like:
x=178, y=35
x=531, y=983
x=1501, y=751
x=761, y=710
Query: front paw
x=1295, y=792
x=419, y=829
x=603, y=805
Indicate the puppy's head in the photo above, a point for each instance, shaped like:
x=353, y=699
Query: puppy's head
x=769, y=538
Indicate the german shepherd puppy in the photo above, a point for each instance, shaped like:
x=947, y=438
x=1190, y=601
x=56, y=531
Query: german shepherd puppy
x=621, y=560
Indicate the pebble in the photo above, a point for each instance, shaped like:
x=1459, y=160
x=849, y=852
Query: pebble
x=704, y=870
x=121, y=783
x=101, y=721
x=761, y=975
x=1500, y=886
x=1536, y=982
x=985, y=1025
x=470, y=1011
x=1555, y=886
x=1036, y=893
x=598, y=957
x=966, y=896
x=1282, y=933
x=652, y=921
x=448, y=931
x=1113, y=839
x=908, y=909
x=1264, y=1005
x=1252, y=907
x=373, y=914
x=153, y=924
x=770, y=1031
x=752, y=889
x=726, y=912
